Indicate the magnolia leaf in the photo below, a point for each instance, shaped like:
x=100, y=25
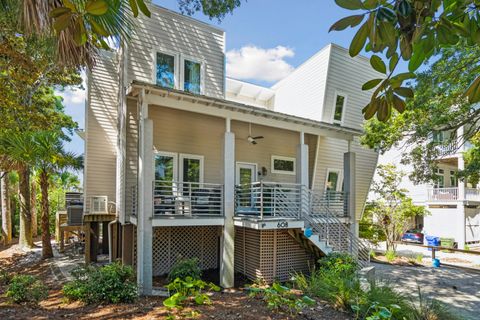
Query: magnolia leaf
x=359, y=40
x=393, y=62
x=404, y=92
x=96, y=7
x=62, y=22
x=417, y=57
x=350, y=21
x=70, y=5
x=371, y=84
x=370, y=4
x=350, y=4
x=378, y=64
x=98, y=28
x=473, y=91
x=134, y=7
x=57, y=12
x=404, y=76
x=405, y=48
x=383, y=112
x=399, y=104
x=143, y=7
x=79, y=35
x=370, y=110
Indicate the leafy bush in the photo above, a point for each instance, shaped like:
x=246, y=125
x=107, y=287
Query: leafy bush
x=184, y=268
x=279, y=297
x=390, y=255
x=340, y=263
x=188, y=289
x=113, y=283
x=26, y=288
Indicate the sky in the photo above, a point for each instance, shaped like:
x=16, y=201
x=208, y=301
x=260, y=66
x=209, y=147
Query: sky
x=265, y=41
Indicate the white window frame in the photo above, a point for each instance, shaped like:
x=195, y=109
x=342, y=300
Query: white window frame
x=275, y=157
x=452, y=176
x=340, y=178
x=176, y=67
x=436, y=184
x=174, y=155
x=182, y=71
x=238, y=166
x=345, y=96
x=183, y=156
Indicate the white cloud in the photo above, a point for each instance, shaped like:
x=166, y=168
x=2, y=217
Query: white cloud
x=254, y=63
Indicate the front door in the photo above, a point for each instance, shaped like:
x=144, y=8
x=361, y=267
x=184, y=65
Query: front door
x=246, y=174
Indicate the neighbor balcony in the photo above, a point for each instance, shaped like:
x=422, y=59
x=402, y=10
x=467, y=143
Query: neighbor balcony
x=452, y=194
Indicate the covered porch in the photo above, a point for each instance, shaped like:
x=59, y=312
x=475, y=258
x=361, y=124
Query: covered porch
x=203, y=161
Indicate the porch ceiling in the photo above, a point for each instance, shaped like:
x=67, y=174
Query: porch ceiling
x=181, y=100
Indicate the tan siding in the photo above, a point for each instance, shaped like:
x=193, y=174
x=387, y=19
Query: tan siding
x=101, y=130
x=276, y=142
x=172, y=32
x=191, y=133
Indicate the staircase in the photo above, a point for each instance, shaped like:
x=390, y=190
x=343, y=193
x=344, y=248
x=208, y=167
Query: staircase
x=324, y=230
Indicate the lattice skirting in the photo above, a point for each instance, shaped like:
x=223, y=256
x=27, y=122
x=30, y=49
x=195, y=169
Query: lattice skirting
x=269, y=254
x=172, y=243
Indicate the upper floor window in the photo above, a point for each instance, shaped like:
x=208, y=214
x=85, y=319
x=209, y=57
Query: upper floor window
x=440, y=181
x=165, y=70
x=333, y=180
x=285, y=165
x=340, y=102
x=453, y=179
x=192, y=76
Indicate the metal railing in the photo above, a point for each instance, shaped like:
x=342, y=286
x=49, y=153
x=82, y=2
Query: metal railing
x=452, y=194
x=187, y=198
x=273, y=199
x=447, y=148
x=134, y=200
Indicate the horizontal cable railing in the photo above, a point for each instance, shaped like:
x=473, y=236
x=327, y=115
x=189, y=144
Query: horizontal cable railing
x=187, y=198
x=442, y=194
x=134, y=200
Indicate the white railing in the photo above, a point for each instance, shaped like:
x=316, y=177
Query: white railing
x=272, y=199
x=452, y=194
x=447, y=148
x=442, y=194
x=173, y=198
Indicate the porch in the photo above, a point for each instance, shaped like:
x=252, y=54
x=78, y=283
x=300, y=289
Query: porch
x=453, y=194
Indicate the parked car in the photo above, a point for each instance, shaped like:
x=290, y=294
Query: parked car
x=413, y=235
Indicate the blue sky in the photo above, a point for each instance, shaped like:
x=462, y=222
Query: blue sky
x=270, y=37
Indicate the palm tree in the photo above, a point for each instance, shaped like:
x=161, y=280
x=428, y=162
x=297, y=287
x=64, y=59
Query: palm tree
x=17, y=153
x=6, y=212
x=51, y=158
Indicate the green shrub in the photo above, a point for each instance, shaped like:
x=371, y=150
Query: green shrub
x=184, y=268
x=390, y=255
x=26, y=288
x=278, y=297
x=113, y=283
x=184, y=290
x=425, y=308
x=341, y=263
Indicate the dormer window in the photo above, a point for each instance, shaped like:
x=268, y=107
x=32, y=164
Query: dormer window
x=192, y=76
x=165, y=70
x=340, y=102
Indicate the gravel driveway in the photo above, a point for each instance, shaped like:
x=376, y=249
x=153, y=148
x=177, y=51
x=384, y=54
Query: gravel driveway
x=458, y=288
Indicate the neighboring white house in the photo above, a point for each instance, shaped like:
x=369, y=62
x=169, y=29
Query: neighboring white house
x=454, y=205
x=250, y=180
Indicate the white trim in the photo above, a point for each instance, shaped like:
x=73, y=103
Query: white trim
x=272, y=168
x=194, y=157
x=239, y=164
x=345, y=99
x=174, y=155
x=176, y=59
x=315, y=165
x=184, y=57
x=339, y=181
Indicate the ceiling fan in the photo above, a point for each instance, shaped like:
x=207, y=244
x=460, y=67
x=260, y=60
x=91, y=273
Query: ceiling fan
x=250, y=138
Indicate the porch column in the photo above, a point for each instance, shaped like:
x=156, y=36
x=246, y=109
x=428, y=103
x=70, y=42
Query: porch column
x=145, y=199
x=302, y=162
x=349, y=187
x=461, y=193
x=228, y=234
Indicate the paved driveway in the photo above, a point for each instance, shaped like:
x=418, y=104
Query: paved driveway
x=458, y=288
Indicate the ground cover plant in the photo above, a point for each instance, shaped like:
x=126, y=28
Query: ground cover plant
x=113, y=283
x=26, y=288
x=184, y=268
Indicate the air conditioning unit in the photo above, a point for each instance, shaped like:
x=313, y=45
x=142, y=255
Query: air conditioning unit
x=99, y=204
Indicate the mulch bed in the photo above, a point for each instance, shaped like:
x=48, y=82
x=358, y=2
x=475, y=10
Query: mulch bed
x=227, y=305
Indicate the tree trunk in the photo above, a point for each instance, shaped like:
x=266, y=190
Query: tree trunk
x=25, y=235
x=46, y=244
x=33, y=207
x=6, y=212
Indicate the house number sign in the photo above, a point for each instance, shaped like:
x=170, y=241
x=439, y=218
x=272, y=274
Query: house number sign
x=282, y=224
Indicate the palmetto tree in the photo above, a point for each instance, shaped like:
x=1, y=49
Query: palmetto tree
x=17, y=152
x=50, y=158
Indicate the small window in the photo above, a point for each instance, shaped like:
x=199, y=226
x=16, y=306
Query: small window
x=165, y=70
x=453, y=179
x=440, y=182
x=339, y=108
x=283, y=165
x=192, y=76
x=332, y=182
x=191, y=168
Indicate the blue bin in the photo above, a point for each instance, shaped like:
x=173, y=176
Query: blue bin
x=436, y=263
x=432, y=241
